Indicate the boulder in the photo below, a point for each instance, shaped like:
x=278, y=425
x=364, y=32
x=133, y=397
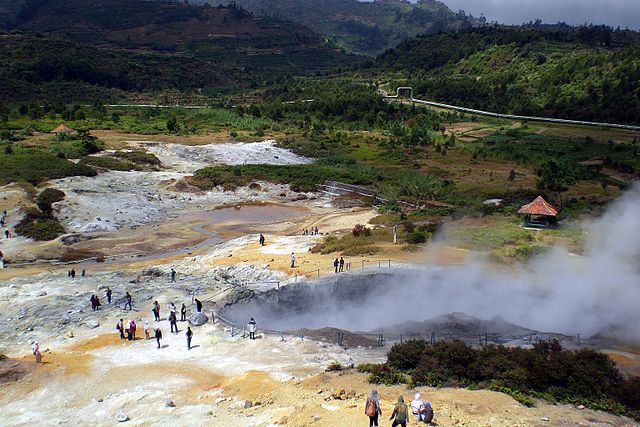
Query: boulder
x=122, y=417
x=92, y=324
x=247, y=404
x=198, y=319
x=168, y=403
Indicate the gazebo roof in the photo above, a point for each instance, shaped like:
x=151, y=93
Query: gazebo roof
x=539, y=207
x=62, y=129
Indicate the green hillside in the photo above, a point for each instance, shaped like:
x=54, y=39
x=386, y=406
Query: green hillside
x=362, y=27
x=589, y=73
x=225, y=37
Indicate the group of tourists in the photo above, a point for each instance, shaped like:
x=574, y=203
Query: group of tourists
x=421, y=410
x=312, y=232
x=128, y=330
x=72, y=273
x=339, y=265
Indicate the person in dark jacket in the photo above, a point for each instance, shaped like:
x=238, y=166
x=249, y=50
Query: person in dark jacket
x=109, y=292
x=183, y=313
x=128, y=303
x=158, y=335
x=335, y=264
x=189, y=336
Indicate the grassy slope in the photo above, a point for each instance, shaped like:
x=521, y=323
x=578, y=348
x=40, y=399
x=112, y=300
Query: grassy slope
x=363, y=27
x=590, y=74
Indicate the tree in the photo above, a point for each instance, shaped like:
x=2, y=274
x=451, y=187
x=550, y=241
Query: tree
x=172, y=124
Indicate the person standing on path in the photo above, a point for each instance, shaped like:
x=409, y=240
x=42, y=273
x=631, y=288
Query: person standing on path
x=156, y=311
x=198, y=305
x=83, y=273
x=120, y=328
x=293, y=260
x=173, y=275
x=261, y=239
x=146, y=330
x=335, y=264
x=158, y=335
x=173, y=320
x=400, y=413
x=183, y=313
x=372, y=408
x=252, y=329
x=189, y=336
x=341, y=269
x=73, y=273
x=35, y=349
x=108, y=293
x=128, y=303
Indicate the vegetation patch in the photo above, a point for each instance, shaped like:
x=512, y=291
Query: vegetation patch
x=545, y=371
x=105, y=162
x=35, y=166
x=39, y=223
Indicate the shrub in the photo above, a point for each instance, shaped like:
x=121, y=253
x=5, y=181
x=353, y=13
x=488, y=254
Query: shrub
x=334, y=367
x=360, y=230
x=40, y=229
x=383, y=374
x=46, y=198
x=416, y=237
x=108, y=163
x=407, y=355
x=36, y=166
x=138, y=157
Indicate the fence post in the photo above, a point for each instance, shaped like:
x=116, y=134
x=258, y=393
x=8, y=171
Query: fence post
x=433, y=337
x=486, y=338
x=278, y=285
x=378, y=264
x=318, y=272
x=400, y=337
x=480, y=339
x=232, y=328
x=362, y=263
x=296, y=278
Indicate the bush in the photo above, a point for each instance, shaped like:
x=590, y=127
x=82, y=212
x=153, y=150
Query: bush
x=108, y=163
x=382, y=374
x=40, y=229
x=360, y=230
x=138, y=157
x=547, y=370
x=36, y=166
x=416, y=237
x=46, y=198
x=334, y=366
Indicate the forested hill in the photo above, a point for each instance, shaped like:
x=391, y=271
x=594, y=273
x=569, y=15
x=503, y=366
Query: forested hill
x=589, y=73
x=367, y=27
x=225, y=37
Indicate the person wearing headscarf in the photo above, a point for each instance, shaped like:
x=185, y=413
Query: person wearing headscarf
x=400, y=413
x=372, y=408
x=36, y=351
x=416, y=404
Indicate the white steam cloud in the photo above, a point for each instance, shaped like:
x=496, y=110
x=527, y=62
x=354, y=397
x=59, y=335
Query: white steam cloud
x=598, y=292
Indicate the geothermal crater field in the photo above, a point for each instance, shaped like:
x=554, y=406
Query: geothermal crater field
x=128, y=230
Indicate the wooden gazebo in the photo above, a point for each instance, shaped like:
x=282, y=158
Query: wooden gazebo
x=62, y=129
x=539, y=214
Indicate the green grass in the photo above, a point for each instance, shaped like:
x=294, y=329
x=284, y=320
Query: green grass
x=110, y=163
x=36, y=166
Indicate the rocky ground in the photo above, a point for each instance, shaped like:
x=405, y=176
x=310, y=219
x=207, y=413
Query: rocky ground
x=90, y=376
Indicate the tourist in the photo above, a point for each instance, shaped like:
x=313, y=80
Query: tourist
x=293, y=260
x=252, y=329
x=156, y=311
x=341, y=264
x=335, y=264
x=120, y=328
x=98, y=305
x=1, y=260
x=108, y=293
x=6, y=233
x=35, y=349
x=93, y=302
x=189, y=336
x=173, y=275
x=127, y=330
x=132, y=328
x=416, y=405
x=183, y=313
x=73, y=273
x=128, y=303
x=68, y=273
x=83, y=273
x=372, y=408
x=261, y=239
x=400, y=413
x=172, y=309
x=198, y=305
x=146, y=330
x=158, y=335
x=173, y=321
x=316, y=231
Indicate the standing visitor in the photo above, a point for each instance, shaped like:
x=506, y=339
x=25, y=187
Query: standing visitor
x=252, y=329
x=198, y=305
x=120, y=328
x=83, y=273
x=189, y=336
x=372, y=408
x=156, y=310
x=293, y=260
x=183, y=313
x=128, y=303
x=173, y=275
x=132, y=328
x=173, y=320
x=35, y=349
x=261, y=239
x=158, y=335
x=400, y=413
x=341, y=264
x=108, y=294
x=146, y=330
x=335, y=264
x=73, y=273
